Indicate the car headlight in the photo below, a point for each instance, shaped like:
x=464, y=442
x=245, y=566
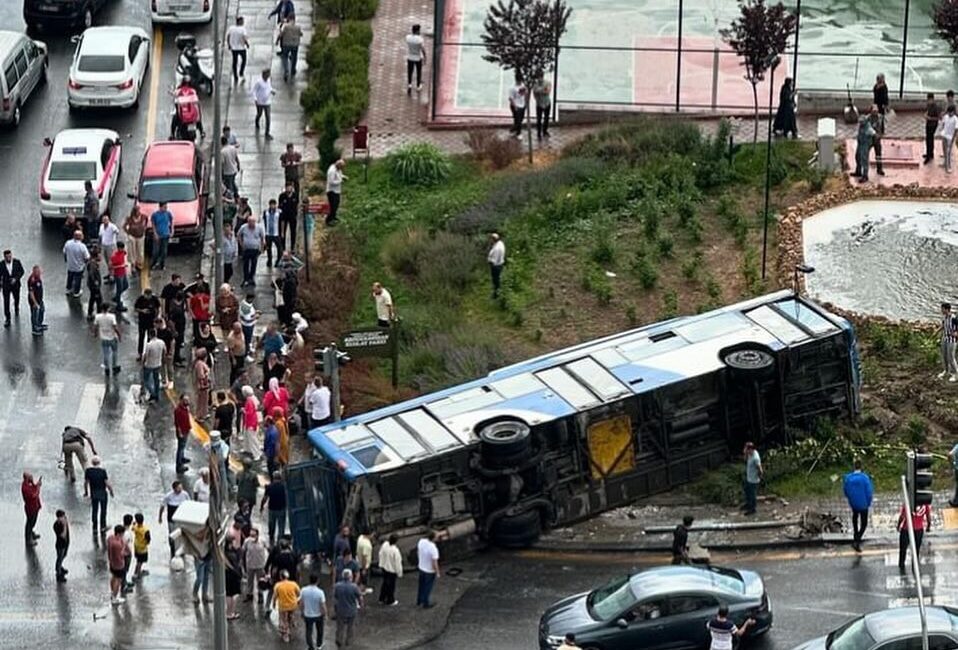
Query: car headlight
x=555, y=641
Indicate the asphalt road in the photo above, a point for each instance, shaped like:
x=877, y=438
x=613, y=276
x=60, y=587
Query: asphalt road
x=811, y=593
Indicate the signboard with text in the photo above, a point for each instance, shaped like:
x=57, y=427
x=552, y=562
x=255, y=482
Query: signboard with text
x=380, y=342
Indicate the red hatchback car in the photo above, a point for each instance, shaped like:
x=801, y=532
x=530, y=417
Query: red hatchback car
x=175, y=172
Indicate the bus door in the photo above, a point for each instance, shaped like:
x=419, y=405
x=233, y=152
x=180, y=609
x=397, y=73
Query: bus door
x=314, y=506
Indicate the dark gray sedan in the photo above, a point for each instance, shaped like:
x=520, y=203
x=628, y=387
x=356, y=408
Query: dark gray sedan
x=892, y=629
x=657, y=609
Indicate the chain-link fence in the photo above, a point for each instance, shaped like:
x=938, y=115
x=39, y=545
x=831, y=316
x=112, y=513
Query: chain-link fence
x=668, y=55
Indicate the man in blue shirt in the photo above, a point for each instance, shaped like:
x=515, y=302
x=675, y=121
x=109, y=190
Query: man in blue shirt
x=858, y=490
x=162, y=221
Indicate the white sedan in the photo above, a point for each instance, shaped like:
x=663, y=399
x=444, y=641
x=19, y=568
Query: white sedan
x=74, y=157
x=181, y=11
x=109, y=68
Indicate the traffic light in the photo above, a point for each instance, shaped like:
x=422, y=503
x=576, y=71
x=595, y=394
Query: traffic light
x=325, y=358
x=319, y=360
x=918, y=478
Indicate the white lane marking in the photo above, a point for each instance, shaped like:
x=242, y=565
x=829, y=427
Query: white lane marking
x=948, y=600
x=51, y=397
x=906, y=581
x=88, y=408
x=816, y=610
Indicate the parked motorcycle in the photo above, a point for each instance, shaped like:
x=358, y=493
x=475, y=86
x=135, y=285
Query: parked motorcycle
x=187, y=114
x=196, y=65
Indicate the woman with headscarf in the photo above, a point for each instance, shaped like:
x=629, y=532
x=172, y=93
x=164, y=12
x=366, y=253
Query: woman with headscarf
x=273, y=368
x=250, y=421
x=276, y=396
x=227, y=307
x=201, y=382
x=282, y=449
x=785, y=122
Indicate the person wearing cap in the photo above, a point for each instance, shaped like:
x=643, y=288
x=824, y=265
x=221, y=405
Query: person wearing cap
x=74, y=441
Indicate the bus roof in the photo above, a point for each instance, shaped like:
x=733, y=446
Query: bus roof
x=567, y=381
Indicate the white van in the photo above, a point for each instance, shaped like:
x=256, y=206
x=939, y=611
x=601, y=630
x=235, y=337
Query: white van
x=181, y=11
x=24, y=67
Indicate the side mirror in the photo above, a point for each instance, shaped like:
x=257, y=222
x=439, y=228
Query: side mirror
x=75, y=39
x=47, y=142
x=622, y=623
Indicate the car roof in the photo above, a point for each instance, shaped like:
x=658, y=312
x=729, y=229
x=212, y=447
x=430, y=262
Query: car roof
x=92, y=139
x=169, y=158
x=108, y=40
x=8, y=39
x=906, y=621
x=666, y=580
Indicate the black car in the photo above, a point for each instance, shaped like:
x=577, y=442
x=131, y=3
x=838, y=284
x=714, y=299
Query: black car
x=74, y=14
x=659, y=608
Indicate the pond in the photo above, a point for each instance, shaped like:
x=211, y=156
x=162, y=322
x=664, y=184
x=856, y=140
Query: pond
x=897, y=259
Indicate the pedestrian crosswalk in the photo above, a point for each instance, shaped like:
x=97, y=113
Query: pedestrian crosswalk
x=939, y=579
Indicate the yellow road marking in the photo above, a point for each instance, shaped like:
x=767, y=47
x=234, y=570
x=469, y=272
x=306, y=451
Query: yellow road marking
x=151, y=116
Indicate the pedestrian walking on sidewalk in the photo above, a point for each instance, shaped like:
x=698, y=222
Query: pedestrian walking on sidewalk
x=334, y=189
x=880, y=97
x=364, y=558
x=286, y=593
x=921, y=522
x=76, y=255
x=166, y=333
x=127, y=552
x=252, y=242
x=263, y=97
x=183, y=425
x=390, y=563
x=11, y=274
x=753, y=477
x=863, y=147
x=202, y=383
x=680, y=541
x=932, y=115
x=229, y=165
x=203, y=567
x=141, y=545
x=147, y=308
x=877, y=121
x=30, y=491
x=97, y=485
x=289, y=206
x=949, y=335
x=116, y=557
x=230, y=249
x=172, y=500
x=949, y=125
x=271, y=227
x=542, y=93
x=518, y=98
x=238, y=42
x=61, y=536
x=313, y=601
x=94, y=282
x=275, y=496
x=74, y=442
x=121, y=281
x=859, y=490
x=428, y=563
x=162, y=220
x=785, y=122
x=134, y=227
x=283, y=10
x=107, y=331
x=109, y=236
x=497, y=260
x=723, y=631
x=292, y=163
x=290, y=36
x=152, y=359
x=347, y=601
x=415, y=57
x=254, y=565
x=35, y=300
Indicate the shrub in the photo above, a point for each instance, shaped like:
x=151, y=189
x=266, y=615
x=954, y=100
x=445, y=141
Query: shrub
x=666, y=247
x=347, y=9
x=712, y=167
x=690, y=269
x=645, y=270
x=328, y=152
x=631, y=316
x=339, y=74
x=686, y=211
x=502, y=152
x=418, y=164
x=670, y=304
x=751, y=273
x=441, y=263
x=478, y=141
x=603, y=245
x=637, y=141
x=650, y=223
x=714, y=290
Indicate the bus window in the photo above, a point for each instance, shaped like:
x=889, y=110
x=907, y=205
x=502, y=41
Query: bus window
x=517, y=386
x=710, y=328
x=597, y=378
x=803, y=314
x=430, y=431
x=371, y=457
x=568, y=388
x=777, y=324
x=394, y=435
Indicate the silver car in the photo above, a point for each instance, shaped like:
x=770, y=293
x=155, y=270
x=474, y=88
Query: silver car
x=24, y=66
x=892, y=629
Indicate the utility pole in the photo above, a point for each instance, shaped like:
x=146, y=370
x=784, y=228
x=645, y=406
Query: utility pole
x=916, y=566
x=217, y=494
x=215, y=155
x=333, y=360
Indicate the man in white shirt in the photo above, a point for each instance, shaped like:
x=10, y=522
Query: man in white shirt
x=517, y=104
x=390, y=562
x=229, y=165
x=201, y=488
x=949, y=125
x=154, y=352
x=385, y=312
x=496, y=259
x=238, y=43
x=317, y=404
x=171, y=501
x=263, y=96
x=334, y=189
x=106, y=330
x=108, y=236
x=428, y=554
x=415, y=58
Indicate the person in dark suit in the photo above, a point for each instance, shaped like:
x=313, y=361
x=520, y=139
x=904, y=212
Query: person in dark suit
x=11, y=272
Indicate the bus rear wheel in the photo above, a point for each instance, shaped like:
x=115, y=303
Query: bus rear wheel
x=505, y=443
x=517, y=531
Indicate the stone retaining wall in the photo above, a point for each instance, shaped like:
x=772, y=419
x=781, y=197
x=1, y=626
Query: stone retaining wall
x=791, y=251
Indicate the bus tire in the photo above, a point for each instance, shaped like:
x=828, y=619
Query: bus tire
x=505, y=443
x=751, y=362
x=517, y=531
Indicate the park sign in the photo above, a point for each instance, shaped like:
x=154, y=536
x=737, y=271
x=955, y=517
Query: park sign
x=380, y=342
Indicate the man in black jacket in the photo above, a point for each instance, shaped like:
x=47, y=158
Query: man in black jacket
x=288, y=214
x=11, y=272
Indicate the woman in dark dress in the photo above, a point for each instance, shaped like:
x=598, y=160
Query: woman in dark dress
x=234, y=580
x=785, y=117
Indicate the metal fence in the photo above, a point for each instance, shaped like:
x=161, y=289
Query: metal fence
x=668, y=55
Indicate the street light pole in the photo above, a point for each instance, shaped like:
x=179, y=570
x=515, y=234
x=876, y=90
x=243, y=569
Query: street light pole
x=768, y=162
x=215, y=153
x=217, y=494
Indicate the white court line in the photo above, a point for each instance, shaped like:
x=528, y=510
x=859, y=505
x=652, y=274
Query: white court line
x=88, y=407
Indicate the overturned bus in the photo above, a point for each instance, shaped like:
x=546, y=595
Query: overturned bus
x=565, y=436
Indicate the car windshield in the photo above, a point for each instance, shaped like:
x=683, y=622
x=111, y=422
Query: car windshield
x=171, y=190
x=605, y=603
x=851, y=636
x=72, y=170
x=101, y=63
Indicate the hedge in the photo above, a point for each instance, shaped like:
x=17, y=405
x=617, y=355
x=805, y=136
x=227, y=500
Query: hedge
x=339, y=74
x=347, y=9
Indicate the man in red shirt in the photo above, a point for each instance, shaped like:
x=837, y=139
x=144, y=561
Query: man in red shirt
x=30, y=491
x=121, y=281
x=182, y=422
x=920, y=521
x=199, y=303
x=116, y=555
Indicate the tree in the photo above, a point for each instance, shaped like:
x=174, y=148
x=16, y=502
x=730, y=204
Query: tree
x=523, y=36
x=759, y=34
x=945, y=16
x=328, y=152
